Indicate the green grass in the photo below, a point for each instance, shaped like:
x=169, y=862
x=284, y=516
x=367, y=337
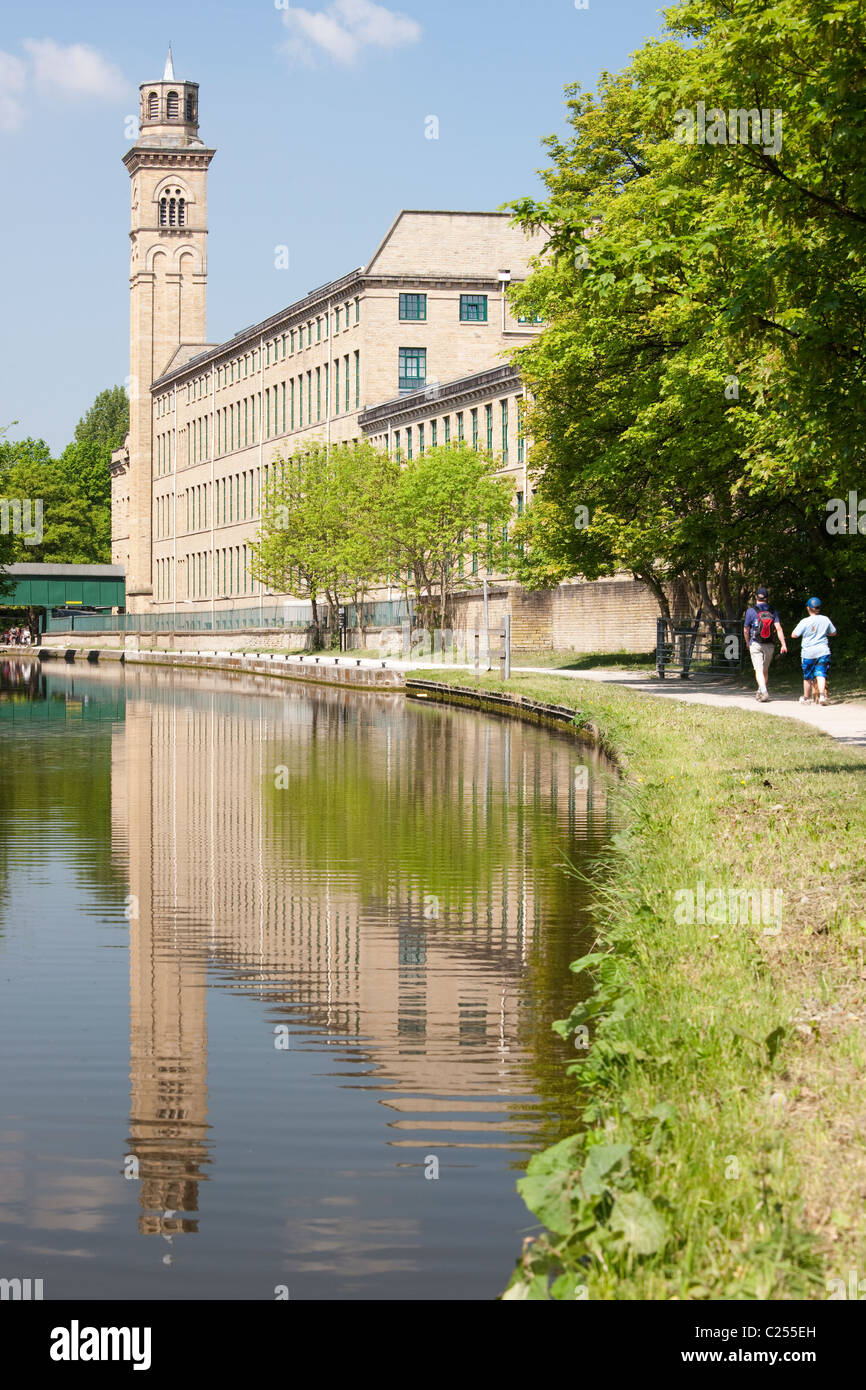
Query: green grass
x=723, y=1147
x=585, y=661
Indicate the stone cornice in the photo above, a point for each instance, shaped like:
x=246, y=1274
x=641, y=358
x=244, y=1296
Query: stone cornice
x=431, y=400
x=153, y=158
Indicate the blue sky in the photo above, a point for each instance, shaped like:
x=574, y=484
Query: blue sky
x=318, y=116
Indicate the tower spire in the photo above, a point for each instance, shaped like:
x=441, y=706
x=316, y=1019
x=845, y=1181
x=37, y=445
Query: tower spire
x=168, y=75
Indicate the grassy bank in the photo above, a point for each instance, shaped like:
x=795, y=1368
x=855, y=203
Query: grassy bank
x=720, y=1062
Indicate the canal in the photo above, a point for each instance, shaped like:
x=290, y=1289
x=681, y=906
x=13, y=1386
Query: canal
x=278, y=965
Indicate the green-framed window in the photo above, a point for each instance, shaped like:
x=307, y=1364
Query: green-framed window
x=473, y=308
x=488, y=420
x=357, y=310
x=346, y=375
x=475, y=427
x=460, y=427
x=409, y=441
x=337, y=319
x=413, y=307
x=433, y=433
x=336, y=385
x=357, y=378
x=520, y=438
x=420, y=439
x=397, y=444
x=446, y=428
x=503, y=406
x=412, y=368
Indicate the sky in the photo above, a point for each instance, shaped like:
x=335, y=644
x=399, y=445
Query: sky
x=320, y=118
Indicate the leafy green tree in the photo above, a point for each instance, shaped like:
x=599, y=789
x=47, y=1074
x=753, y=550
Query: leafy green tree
x=321, y=531
x=447, y=505
x=107, y=421
x=699, y=387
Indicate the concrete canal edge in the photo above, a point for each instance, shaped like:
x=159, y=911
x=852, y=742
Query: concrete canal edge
x=552, y=716
x=344, y=671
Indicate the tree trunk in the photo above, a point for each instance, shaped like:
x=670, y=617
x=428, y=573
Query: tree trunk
x=654, y=583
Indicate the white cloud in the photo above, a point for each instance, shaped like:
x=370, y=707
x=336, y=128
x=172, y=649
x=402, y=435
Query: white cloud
x=75, y=70
x=50, y=69
x=13, y=79
x=346, y=28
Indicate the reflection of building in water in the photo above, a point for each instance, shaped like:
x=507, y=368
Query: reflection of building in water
x=383, y=895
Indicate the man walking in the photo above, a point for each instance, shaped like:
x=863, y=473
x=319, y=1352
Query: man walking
x=815, y=651
x=759, y=625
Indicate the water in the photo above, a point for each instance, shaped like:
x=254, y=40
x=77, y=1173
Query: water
x=272, y=957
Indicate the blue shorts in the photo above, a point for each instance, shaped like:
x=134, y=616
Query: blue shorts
x=815, y=666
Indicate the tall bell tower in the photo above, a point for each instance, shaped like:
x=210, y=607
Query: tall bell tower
x=167, y=167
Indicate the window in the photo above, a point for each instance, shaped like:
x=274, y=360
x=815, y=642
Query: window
x=413, y=306
x=152, y=106
x=460, y=426
x=357, y=309
x=318, y=330
x=190, y=108
x=291, y=341
x=412, y=368
x=446, y=429
x=172, y=106
x=318, y=393
x=172, y=210
x=473, y=308
x=524, y=318
x=488, y=419
x=409, y=442
x=336, y=320
x=420, y=439
x=397, y=442
x=520, y=504
x=336, y=385
x=520, y=441
x=475, y=427
x=504, y=409
x=432, y=434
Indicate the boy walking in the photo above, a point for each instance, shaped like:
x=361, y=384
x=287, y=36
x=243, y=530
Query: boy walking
x=815, y=651
x=759, y=626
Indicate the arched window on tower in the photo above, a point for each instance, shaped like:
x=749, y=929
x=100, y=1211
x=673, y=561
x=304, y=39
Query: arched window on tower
x=172, y=208
x=190, y=108
x=172, y=106
x=152, y=106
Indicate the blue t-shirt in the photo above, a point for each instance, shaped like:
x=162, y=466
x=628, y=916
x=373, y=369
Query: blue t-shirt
x=814, y=631
x=752, y=617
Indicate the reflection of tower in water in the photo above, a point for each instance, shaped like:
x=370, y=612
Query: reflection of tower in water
x=168, y=1027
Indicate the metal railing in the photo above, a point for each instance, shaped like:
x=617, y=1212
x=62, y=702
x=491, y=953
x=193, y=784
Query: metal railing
x=292, y=616
x=699, y=644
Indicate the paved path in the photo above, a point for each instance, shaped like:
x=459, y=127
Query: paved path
x=844, y=722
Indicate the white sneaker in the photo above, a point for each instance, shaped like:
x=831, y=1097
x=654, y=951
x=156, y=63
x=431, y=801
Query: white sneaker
x=763, y=696
x=822, y=700
x=805, y=699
